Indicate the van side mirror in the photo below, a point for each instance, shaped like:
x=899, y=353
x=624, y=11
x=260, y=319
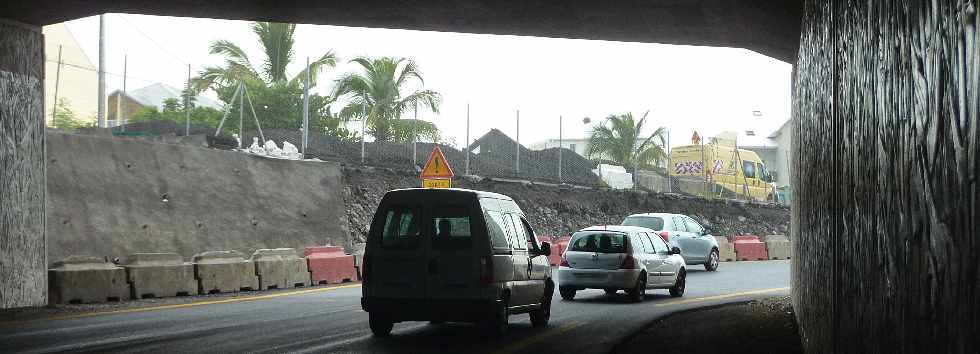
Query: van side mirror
x=545, y=248
x=674, y=250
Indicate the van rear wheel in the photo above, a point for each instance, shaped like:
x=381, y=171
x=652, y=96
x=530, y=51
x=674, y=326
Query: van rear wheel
x=540, y=317
x=499, y=321
x=380, y=325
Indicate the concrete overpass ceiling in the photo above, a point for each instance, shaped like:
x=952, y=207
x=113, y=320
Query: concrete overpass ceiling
x=770, y=27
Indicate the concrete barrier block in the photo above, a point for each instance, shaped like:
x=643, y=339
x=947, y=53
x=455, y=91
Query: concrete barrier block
x=85, y=279
x=159, y=275
x=359, y=257
x=280, y=268
x=223, y=272
x=768, y=238
x=330, y=265
x=726, y=252
x=750, y=249
x=778, y=249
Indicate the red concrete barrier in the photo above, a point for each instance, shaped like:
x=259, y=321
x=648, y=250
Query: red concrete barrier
x=749, y=248
x=330, y=265
x=734, y=238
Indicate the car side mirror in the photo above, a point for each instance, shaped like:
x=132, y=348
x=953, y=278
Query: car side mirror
x=674, y=250
x=545, y=248
x=706, y=231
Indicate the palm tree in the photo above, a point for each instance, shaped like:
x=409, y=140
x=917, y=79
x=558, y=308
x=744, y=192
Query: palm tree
x=375, y=94
x=616, y=138
x=277, y=42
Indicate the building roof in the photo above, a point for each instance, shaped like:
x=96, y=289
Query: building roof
x=155, y=94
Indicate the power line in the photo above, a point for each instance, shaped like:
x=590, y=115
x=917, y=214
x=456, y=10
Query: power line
x=159, y=46
x=94, y=70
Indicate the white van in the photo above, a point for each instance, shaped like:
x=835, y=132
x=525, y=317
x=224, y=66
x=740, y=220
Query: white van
x=453, y=255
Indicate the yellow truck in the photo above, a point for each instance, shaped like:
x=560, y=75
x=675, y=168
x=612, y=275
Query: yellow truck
x=718, y=169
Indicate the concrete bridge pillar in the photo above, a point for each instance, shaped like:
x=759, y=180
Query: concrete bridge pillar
x=23, y=277
x=886, y=211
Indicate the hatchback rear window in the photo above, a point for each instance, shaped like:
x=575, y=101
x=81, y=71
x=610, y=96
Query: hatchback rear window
x=650, y=222
x=598, y=242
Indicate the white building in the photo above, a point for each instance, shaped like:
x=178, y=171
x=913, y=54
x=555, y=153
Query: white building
x=77, y=81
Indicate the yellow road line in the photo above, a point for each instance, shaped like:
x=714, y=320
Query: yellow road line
x=725, y=296
x=191, y=304
x=523, y=343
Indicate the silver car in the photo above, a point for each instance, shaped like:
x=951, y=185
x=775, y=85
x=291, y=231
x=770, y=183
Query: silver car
x=695, y=241
x=616, y=258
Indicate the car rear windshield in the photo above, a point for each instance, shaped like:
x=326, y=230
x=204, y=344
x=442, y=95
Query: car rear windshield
x=650, y=222
x=605, y=242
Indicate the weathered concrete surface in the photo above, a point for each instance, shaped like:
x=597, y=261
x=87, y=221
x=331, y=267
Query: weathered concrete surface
x=280, y=268
x=887, y=206
x=766, y=26
x=83, y=279
x=159, y=275
x=223, y=272
x=23, y=273
x=114, y=197
x=779, y=249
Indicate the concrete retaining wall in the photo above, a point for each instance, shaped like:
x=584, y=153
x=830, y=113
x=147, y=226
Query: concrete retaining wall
x=113, y=197
x=886, y=205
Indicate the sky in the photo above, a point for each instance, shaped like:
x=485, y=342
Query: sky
x=684, y=88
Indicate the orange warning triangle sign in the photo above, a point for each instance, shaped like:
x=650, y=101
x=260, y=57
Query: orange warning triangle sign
x=436, y=166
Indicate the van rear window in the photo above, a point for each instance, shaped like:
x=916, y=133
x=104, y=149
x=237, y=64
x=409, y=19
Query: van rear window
x=401, y=229
x=451, y=227
x=598, y=242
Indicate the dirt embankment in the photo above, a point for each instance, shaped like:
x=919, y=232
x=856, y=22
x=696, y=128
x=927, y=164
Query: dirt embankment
x=558, y=211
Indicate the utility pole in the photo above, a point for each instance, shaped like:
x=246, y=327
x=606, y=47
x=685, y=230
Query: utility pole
x=415, y=132
x=517, y=154
x=101, y=118
x=363, y=123
x=119, y=115
x=467, y=139
x=187, y=104
x=559, y=149
x=57, y=80
x=241, y=116
x=306, y=108
x=667, y=166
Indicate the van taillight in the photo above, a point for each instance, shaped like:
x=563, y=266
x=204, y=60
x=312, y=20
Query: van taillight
x=665, y=236
x=564, y=261
x=628, y=263
x=486, y=270
x=365, y=269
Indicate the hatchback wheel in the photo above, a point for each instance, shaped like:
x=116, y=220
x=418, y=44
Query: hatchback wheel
x=639, y=291
x=713, y=259
x=567, y=293
x=380, y=325
x=611, y=291
x=678, y=289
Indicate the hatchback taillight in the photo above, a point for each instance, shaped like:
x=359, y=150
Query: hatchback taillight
x=628, y=263
x=665, y=236
x=486, y=270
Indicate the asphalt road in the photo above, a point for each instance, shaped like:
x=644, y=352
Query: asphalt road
x=330, y=320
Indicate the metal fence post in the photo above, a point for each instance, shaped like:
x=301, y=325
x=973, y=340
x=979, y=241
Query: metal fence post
x=559, y=148
x=517, y=154
x=467, y=147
